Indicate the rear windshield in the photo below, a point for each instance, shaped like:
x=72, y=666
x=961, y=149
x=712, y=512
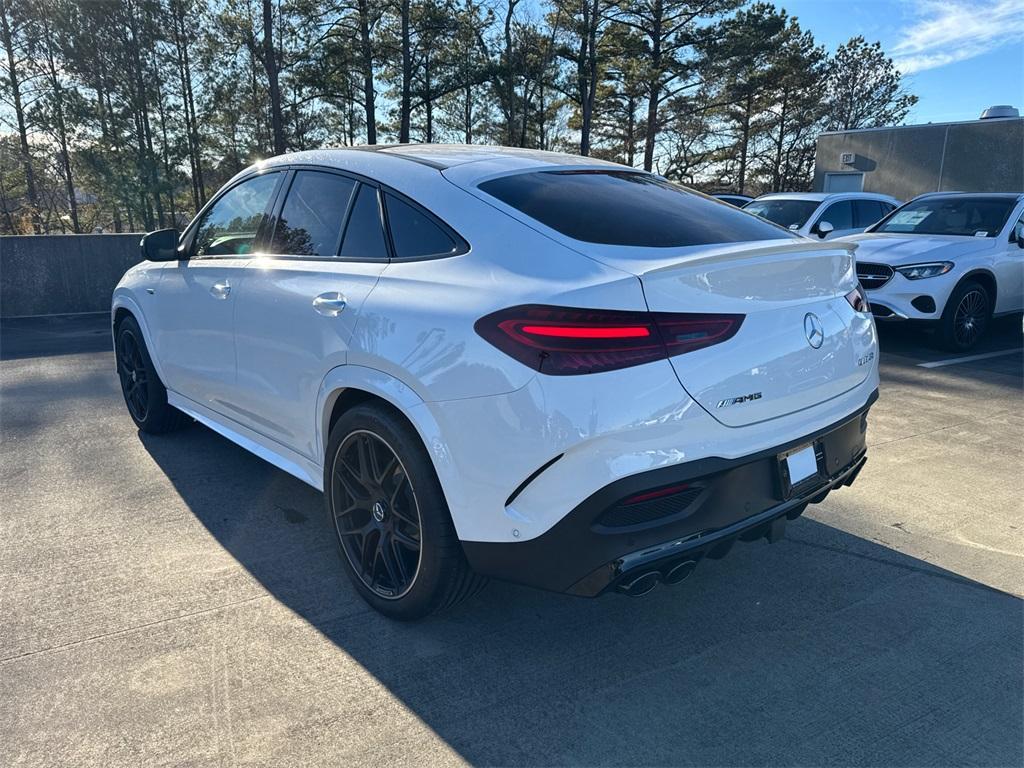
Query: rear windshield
x=791, y=214
x=626, y=208
x=970, y=216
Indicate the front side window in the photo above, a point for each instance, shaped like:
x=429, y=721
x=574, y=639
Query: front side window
x=414, y=234
x=968, y=216
x=230, y=226
x=625, y=208
x=1017, y=233
x=364, y=233
x=791, y=214
x=839, y=215
x=313, y=215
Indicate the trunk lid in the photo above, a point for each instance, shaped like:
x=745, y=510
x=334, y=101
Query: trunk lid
x=800, y=344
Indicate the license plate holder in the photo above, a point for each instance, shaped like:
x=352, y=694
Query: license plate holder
x=801, y=468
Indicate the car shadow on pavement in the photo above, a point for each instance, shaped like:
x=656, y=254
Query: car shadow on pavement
x=823, y=649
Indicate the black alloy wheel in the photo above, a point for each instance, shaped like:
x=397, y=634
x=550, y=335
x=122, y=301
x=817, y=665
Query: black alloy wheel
x=131, y=368
x=376, y=514
x=144, y=393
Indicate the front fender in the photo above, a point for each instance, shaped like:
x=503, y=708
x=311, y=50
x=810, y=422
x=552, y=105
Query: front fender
x=124, y=299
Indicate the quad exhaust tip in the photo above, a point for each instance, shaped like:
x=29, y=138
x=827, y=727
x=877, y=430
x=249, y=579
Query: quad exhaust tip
x=644, y=582
x=640, y=585
x=680, y=571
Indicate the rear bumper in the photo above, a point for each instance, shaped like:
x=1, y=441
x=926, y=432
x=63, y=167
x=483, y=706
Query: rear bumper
x=595, y=548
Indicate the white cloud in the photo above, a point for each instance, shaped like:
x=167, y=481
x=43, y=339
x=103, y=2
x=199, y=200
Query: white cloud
x=945, y=31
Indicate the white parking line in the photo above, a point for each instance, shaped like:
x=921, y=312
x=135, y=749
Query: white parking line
x=968, y=359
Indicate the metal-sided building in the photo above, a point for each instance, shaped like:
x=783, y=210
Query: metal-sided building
x=984, y=155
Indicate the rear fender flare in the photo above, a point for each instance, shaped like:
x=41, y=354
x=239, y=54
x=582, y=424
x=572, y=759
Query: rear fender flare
x=397, y=394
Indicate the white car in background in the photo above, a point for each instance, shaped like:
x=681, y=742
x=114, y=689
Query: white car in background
x=823, y=215
x=538, y=367
x=953, y=260
x=733, y=199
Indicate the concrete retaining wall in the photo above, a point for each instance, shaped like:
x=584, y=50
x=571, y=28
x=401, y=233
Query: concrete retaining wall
x=62, y=274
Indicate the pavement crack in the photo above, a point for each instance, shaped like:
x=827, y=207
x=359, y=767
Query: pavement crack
x=222, y=651
x=126, y=630
x=968, y=542
x=989, y=417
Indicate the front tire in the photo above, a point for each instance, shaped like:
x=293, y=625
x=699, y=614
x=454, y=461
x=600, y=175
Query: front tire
x=391, y=521
x=144, y=393
x=965, y=317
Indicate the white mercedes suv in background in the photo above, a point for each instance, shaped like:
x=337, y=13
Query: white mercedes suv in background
x=952, y=260
x=824, y=215
x=503, y=363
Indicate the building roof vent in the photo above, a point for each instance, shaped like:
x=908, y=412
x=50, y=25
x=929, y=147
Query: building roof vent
x=1000, y=110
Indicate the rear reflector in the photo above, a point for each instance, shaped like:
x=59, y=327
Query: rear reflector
x=659, y=493
x=649, y=507
x=564, y=341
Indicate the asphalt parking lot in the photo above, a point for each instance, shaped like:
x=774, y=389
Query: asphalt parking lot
x=176, y=601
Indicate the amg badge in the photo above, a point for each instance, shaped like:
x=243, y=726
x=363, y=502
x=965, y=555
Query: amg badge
x=739, y=400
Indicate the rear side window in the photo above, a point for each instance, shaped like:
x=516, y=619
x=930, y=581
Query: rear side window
x=313, y=215
x=364, y=234
x=626, y=208
x=839, y=215
x=414, y=234
x=867, y=212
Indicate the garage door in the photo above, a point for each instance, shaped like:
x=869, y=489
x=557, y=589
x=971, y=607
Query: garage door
x=844, y=182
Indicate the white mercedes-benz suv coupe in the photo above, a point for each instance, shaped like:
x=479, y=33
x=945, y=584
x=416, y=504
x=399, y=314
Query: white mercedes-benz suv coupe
x=949, y=260
x=504, y=363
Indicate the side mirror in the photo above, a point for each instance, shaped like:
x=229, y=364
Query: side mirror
x=161, y=245
x=824, y=229
x=1018, y=233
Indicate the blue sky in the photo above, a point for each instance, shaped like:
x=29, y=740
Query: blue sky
x=958, y=56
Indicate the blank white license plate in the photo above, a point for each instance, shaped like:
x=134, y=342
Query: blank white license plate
x=801, y=465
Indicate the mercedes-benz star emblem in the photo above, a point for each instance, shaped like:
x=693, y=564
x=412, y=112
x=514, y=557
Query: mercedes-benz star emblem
x=378, y=511
x=813, y=330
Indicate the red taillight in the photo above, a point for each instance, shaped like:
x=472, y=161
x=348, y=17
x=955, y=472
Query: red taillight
x=685, y=333
x=562, y=341
x=858, y=300
x=570, y=332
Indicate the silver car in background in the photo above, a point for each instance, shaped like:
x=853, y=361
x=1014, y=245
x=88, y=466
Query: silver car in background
x=823, y=215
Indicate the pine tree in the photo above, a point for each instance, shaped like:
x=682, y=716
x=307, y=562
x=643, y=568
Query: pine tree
x=863, y=88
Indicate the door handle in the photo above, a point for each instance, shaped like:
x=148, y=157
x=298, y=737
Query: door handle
x=220, y=290
x=330, y=304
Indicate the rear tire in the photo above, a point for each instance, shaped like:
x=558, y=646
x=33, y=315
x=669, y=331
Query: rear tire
x=966, y=316
x=144, y=393
x=391, y=521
